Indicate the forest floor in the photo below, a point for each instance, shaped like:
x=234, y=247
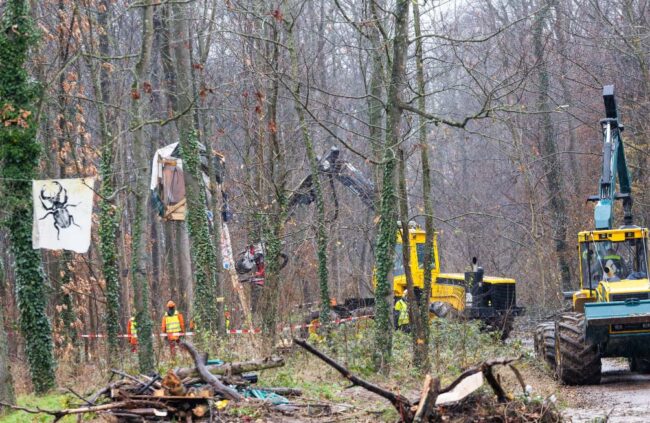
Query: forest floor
x=328, y=397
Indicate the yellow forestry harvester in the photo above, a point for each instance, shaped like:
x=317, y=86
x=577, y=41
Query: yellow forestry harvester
x=610, y=314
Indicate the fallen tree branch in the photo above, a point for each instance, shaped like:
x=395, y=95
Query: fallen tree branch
x=208, y=377
x=232, y=368
x=402, y=404
x=59, y=414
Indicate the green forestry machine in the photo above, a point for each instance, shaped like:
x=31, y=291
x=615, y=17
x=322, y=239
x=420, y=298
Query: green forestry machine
x=610, y=314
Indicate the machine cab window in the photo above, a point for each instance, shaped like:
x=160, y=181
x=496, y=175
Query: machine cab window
x=613, y=261
x=420, y=251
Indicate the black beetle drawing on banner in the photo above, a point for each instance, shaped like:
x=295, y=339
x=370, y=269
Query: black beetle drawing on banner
x=58, y=208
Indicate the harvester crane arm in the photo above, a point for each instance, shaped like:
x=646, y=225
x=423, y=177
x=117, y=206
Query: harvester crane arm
x=613, y=165
x=333, y=166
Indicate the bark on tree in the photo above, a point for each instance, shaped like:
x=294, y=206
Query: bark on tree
x=139, y=257
x=387, y=227
x=182, y=277
x=272, y=223
x=6, y=381
x=548, y=146
x=561, y=29
x=429, y=229
x=420, y=348
x=108, y=215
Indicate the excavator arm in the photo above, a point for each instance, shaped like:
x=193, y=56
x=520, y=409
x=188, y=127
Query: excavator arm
x=330, y=166
x=613, y=165
x=333, y=167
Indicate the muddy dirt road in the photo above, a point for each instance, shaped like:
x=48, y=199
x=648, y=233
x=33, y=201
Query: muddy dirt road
x=622, y=396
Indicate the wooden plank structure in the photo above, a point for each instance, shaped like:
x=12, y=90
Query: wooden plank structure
x=175, y=211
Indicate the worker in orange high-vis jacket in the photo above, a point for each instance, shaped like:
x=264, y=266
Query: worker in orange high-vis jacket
x=132, y=333
x=173, y=325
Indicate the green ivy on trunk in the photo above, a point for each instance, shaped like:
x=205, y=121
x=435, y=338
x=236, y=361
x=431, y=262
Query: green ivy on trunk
x=203, y=252
x=19, y=155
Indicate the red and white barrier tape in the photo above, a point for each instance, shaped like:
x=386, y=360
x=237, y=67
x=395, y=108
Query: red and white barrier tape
x=241, y=331
x=101, y=335
x=294, y=327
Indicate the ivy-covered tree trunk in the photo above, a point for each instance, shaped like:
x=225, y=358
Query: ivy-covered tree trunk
x=108, y=213
x=202, y=250
x=139, y=253
x=425, y=364
x=387, y=223
x=108, y=217
x=321, y=230
x=19, y=156
x=68, y=316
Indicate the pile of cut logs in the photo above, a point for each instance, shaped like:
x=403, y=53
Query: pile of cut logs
x=182, y=394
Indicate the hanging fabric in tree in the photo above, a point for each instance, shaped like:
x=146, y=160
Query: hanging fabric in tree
x=62, y=214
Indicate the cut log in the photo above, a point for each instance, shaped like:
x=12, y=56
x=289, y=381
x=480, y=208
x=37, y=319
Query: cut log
x=173, y=385
x=285, y=392
x=427, y=399
x=467, y=385
x=208, y=377
x=200, y=410
x=233, y=368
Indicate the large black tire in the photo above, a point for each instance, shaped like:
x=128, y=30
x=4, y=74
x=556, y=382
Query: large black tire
x=577, y=359
x=640, y=365
x=545, y=342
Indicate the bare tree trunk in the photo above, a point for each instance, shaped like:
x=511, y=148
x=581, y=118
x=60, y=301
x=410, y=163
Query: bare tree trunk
x=178, y=251
x=185, y=283
x=425, y=363
x=420, y=349
x=139, y=259
x=275, y=174
x=561, y=30
x=6, y=381
x=552, y=165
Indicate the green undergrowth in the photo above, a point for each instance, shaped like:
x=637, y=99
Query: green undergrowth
x=46, y=402
x=456, y=346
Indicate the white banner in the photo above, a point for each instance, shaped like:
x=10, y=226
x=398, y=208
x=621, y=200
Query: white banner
x=63, y=211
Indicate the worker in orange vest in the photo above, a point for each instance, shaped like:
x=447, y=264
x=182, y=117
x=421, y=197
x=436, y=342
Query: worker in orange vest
x=132, y=334
x=173, y=325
